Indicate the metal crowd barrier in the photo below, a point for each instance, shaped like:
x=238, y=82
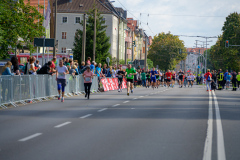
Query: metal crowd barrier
x=32, y=88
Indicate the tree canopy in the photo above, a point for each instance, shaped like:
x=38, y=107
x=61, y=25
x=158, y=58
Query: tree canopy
x=227, y=58
x=167, y=51
x=102, y=40
x=18, y=20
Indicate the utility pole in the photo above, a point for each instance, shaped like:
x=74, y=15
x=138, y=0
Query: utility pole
x=55, y=29
x=95, y=30
x=132, y=46
x=126, y=52
x=146, y=44
x=119, y=18
x=84, y=38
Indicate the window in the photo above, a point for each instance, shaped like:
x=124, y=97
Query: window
x=64, y=19
x=64, y=35
x=77, y=20
x=64, y=50
x=104, y=20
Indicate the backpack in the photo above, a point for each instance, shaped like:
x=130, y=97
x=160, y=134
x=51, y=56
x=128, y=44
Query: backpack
x=209, y=78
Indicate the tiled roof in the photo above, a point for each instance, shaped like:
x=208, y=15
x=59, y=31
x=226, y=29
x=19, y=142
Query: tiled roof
x=80, y=6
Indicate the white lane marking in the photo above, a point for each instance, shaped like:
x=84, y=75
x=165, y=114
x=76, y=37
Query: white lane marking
x=207, y=154
x=141, y=96
x=220, y=137
x=102, y=109
x=30, y=137
x=88, y=115
x=126, y=102
x=115, y=105
x=146, y=95
x=135, y=98
x=132, y=108
x=63, y=124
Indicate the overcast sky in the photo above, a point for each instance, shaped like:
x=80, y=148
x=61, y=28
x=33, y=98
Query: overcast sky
x=181, y=17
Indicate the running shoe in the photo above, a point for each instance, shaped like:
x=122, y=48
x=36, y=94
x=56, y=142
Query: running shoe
x=207, y=90
x=59, y=97
x=131, y=91
x=62, y=100
x=128, y=94
x=119, y=90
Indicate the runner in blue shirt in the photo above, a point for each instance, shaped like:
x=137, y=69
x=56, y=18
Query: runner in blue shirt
x=225, y=78
x=153, y=74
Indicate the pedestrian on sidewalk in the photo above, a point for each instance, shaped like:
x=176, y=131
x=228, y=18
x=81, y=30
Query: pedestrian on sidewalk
x=88, y=76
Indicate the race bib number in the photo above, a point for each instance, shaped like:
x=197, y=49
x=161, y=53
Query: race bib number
x=120, y=76
x=153, y=76
x=129, y=76
x=87, y=79
x=180, y=74
x=61, y=74
x=169, y=77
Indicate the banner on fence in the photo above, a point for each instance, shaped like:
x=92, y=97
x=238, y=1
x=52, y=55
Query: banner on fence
x=110, y=84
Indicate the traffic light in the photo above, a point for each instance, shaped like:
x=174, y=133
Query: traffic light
x=133, y=43
x=227, y=43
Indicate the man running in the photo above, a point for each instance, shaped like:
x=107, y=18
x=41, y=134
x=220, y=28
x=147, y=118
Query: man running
x=192, y=79
x=157, y=78
x=180, y=75
x=153, y=74
x=173, y=78
x=148, y=78
x=130, y=72
x=120, y=75
x=169, y=77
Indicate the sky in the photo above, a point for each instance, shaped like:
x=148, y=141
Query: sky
x=181, y=17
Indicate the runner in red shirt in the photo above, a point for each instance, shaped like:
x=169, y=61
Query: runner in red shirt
x=169, y=77
x=173, y=78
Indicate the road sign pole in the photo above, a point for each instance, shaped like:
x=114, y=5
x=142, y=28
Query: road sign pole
x=43, y=51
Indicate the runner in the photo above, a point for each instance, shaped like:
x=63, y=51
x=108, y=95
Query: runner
x=130, y=72
x=192, y=79
x=185, y=81
x=157, y=78
x=165, y=80
x=153, y=74
x=143, y=76
x=148, y=78
x=180, y=75
x=189, y=79
x=173, y=78
x=61, y=79
x=161, y=78
x=169, y=77
x=88, y=76
x=120, y=75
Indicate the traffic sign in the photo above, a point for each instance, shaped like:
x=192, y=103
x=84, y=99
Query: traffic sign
x=49, y=42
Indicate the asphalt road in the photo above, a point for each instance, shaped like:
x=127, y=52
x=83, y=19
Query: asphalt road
x=160, y=124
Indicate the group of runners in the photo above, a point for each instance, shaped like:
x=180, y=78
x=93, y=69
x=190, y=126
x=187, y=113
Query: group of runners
x=154, y=78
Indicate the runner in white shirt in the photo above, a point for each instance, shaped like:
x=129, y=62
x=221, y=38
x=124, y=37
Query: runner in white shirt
x=192, y=79
x=189, y=79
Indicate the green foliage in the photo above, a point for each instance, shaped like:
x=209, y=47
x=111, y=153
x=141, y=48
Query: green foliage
x=149, y=63
x=122, y=61
x=227, y=58
x=164, y=51
x=102, y=41
x=18, y=20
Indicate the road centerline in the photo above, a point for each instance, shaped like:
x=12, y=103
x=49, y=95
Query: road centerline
x=102, y=109
x=30, y=137
x=88, y=115
x=63, y=124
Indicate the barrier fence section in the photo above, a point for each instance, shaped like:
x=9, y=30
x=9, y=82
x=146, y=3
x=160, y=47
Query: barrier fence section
x=19, y=89
x=110, y=84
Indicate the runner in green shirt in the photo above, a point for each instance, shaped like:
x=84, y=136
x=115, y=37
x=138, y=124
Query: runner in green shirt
x=130, y=72
x=238, y=79
x=143, y=75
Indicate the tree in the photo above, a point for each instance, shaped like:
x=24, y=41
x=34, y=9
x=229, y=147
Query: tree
x=102, y=41
x=149, y=63
x=165, y=49
x=227, y=58
x=18, y=20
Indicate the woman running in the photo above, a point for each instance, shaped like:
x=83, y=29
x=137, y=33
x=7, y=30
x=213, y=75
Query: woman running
x=120, y=74
x=88, y=76
x=173, y=78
